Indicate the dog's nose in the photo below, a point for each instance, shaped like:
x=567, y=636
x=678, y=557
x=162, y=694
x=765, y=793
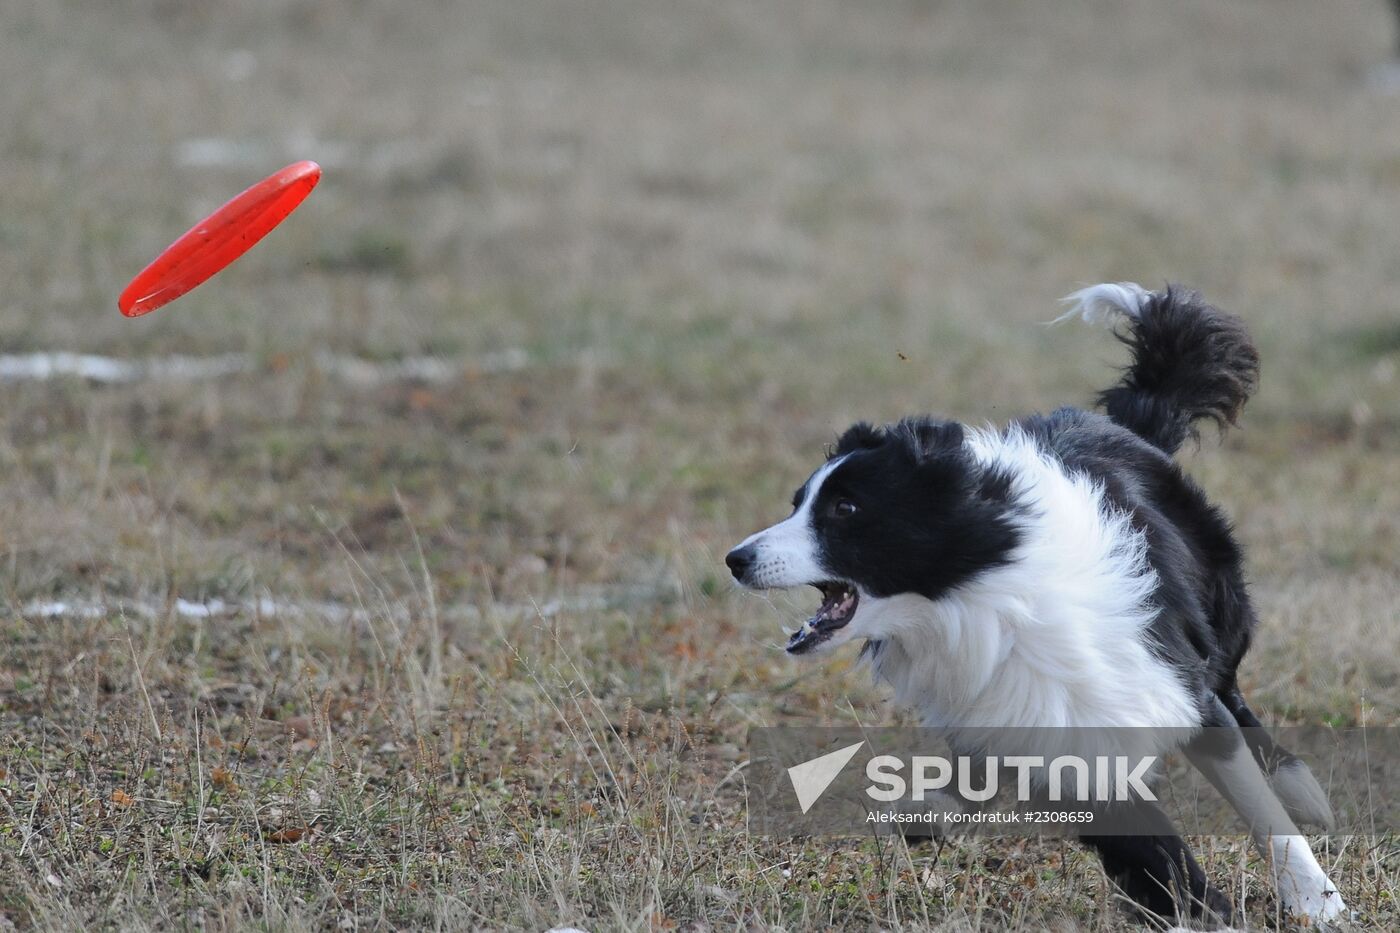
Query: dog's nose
x=740, y=560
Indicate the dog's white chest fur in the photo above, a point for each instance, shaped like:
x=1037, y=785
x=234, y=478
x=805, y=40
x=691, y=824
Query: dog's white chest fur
x=1057, y=637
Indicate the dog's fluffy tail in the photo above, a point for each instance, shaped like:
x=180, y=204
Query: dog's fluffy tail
x=1190, y=361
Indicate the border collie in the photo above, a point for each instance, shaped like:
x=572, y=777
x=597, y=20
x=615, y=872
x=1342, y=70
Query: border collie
x=1064, y=572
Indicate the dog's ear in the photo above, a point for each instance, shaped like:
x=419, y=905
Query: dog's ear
x=859, y=436
x=927, y=439
x=938, y=453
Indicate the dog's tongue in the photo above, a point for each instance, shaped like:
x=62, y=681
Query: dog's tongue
x=835, y=608
x=835, y=611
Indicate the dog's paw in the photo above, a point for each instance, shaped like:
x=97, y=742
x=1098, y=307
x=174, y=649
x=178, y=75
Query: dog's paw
x=1321, y=909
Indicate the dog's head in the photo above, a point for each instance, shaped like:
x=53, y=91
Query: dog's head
x=904, y=509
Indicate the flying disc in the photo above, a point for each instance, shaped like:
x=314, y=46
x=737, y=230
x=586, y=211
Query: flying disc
x=219, y=239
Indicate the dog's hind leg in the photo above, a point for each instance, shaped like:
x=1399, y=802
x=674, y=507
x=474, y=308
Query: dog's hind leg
x=1290, y=777
x=1226, y=760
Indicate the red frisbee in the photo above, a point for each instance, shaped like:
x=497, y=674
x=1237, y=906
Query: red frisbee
x=219, y=239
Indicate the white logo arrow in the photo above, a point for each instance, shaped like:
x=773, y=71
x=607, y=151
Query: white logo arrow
x=811, y=778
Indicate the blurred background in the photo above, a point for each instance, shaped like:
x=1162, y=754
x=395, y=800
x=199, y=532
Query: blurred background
x=584, y=292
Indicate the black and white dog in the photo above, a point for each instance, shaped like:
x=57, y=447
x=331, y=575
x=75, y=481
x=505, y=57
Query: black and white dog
x=1064, y=572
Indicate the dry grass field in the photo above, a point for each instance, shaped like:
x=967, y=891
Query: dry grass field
x=316, y=646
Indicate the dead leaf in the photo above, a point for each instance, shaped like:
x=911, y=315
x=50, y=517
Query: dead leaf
x=290, y=834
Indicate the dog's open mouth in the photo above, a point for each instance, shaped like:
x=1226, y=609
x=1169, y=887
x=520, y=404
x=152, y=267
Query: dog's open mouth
x=838, y=607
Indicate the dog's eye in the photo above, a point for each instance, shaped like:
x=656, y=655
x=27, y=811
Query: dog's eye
x=842, y=508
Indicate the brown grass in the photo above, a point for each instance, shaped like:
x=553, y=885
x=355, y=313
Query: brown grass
x=719, y=232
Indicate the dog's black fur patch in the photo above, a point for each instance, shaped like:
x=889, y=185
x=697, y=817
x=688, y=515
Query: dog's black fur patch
x=926, y=516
